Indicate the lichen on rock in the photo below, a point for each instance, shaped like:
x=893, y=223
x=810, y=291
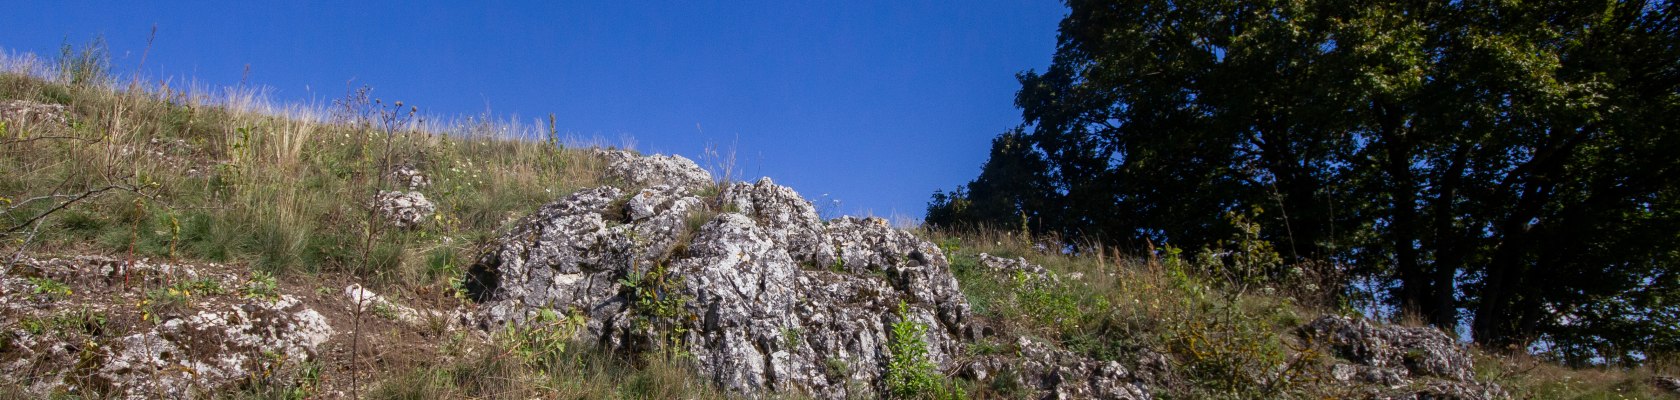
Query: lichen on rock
x=1401, y=362
x=403, y=209
x=94, y=337
x=34, y=112
x=750, y=296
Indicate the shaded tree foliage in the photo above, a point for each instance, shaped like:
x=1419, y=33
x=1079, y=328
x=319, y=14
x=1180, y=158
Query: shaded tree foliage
x=1510, y=165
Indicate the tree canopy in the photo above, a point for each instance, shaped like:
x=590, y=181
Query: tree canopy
x=1507, y=165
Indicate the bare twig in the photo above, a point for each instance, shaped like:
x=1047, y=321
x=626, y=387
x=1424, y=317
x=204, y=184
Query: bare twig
x=389, y=121
x=67, y=203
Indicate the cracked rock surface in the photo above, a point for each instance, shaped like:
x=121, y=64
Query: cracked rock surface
x=745, y=281
x=1400, y=362
x=404, y=209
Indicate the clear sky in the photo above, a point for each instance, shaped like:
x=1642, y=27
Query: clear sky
x=873, y=103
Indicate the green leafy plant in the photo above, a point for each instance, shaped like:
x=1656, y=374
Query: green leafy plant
x=539, y=340
x=1048, y=301
x=790, y=338
x=261, y=286
x=162, y=301
x=910, y=374
x=85, y=66
x=836, y=368
x=657, y=298
x=51, y=288
x=203, y=286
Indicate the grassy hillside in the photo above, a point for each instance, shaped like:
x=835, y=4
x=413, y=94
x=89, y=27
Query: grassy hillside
x=148, y=170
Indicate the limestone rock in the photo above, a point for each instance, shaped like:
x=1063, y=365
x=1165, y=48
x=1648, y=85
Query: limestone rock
x=404, y=209
x=33, y=112
x=799, y=227
x=410, y=177
x=1403, y=362
x=212, y=348
x=1052, y=373
x=637, y=171
x=1010, y=267
x=740, y=286
x=1668, y=383
x=111, y=341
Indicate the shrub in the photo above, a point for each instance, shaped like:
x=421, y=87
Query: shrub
x=910, y=375
x=540, y=340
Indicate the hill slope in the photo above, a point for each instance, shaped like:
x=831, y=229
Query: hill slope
x=168, y=242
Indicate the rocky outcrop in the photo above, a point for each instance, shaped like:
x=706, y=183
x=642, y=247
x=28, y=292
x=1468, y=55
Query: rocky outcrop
x=73, y=327
x=1667, y=383
x=1052, y=373
x=774, y=205
x=636, y=171
x=746, y=282
x=403, y=209
x=410, y=177
x=33, y=112
x=1013, y=266
x=1400, y=362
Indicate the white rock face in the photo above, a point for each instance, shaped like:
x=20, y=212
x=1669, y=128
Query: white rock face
x=798, y=226
x=213, y=348
x=410, y=177
x=637, y=171
x=761, y=303
x=404, y=209
x=1396, y=357
x=33, y=112
x=1058, y=374
x=763, y=295
x=100, y=345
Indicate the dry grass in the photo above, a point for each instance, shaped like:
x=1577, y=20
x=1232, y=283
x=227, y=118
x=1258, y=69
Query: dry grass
x=225, y=174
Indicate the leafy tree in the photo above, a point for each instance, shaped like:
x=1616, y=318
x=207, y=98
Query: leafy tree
x=1513, y=162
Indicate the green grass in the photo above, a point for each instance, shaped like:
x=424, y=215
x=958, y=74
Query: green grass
x=225, y=176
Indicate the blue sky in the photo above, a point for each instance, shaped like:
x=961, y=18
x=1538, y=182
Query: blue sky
x=873, y=103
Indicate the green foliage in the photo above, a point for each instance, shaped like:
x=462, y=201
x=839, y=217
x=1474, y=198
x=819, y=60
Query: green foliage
x=1506, y=158
x=910, y=374
x=160, y=302
x=261, y=286
x=790, y=338
x=80, y=321
x=1050, y=302
x=836, y=368
x=50, y=288
x=86, y=66
x=540, y=340
x=658, y=300
x=575, y=371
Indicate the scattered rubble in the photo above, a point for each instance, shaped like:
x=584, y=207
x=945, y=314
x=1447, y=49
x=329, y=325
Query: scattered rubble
x=90, y=328
x=1401, y=362
x=34, y=112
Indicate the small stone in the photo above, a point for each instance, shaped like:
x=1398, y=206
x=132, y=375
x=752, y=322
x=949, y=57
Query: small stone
x=404, y=209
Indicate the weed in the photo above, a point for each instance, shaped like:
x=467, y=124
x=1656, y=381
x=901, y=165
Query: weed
x=543, y=337
x=836, y=368
x=261, y=286
x=163, y=302
x=51, y=288
x=660, y=304
x=910, y=374
x=790, y=338
x=85, y=66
